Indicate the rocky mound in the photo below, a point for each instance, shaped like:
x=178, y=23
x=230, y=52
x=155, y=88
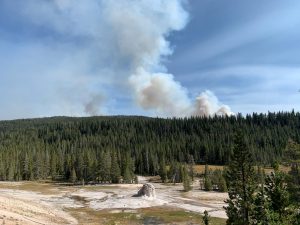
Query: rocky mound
x=147, y=190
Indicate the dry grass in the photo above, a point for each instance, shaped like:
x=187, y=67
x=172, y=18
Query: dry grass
x=282, y=168
x=200, y=169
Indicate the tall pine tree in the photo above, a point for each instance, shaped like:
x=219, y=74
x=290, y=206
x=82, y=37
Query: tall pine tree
x=278, y=196
x=241, y=184
x=115, y=169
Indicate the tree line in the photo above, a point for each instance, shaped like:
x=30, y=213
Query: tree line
x=114, y=149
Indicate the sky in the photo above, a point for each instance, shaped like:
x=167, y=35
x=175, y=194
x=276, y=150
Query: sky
x=148, y=57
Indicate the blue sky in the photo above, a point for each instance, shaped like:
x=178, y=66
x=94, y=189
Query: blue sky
x=53, y=60
x=246, y=52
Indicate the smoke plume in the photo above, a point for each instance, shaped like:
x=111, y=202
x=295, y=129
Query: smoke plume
x=92, y=107
x=113, y=43
x=141, y=30
x=207, y=104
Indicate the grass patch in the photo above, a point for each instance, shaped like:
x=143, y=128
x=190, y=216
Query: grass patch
x=155, y=215
x=170, y=216
x=89, y=216
x=176, y=216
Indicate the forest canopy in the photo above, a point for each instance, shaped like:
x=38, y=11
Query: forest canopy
x=64, y=147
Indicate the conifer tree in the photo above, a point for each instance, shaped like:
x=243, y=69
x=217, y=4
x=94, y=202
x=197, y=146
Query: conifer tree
x=277, y=195
x=261, y=203
x=291, y=157
x=207, y=181
x=175, y=172
x=241, y=185
x=104, y=167
x=186, y=179
x=11, y=172
x=208, y=184
x=163, y=170
x=222, y=184
x=53, y=165
x=115, y=169
x=127, y=176
x=206, y=218
x=73, y=177
x=128, y=169
x=191, y=162
x=206, y=170
x=261, y=208
x=55, y=145
x=26, y=172
x=293, y=184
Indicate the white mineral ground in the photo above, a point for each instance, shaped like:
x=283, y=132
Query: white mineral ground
x=48, y=203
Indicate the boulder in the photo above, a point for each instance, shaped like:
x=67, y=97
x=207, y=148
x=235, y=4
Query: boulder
x=147, y=190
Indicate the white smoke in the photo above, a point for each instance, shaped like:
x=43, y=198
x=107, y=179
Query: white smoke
x=141, y=30
x=128, y=39
x=159, y=91
x=207, y=104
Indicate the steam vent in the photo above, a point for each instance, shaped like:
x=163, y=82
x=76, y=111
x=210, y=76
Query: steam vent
x=147, y=190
